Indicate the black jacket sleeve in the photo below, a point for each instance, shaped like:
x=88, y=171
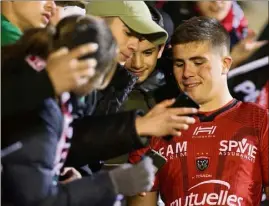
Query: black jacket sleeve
x=111, y=99
x=28, y=177
x=23, y=88
x=103, y=137
x=31, y=185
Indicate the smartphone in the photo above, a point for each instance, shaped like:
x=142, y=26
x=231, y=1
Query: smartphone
x=158, y=159
x=183, y=100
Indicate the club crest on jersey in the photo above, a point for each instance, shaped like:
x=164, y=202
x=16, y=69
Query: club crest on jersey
x=202, y=163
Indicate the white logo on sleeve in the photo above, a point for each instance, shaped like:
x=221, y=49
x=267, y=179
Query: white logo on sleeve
x=223, y=198
x=241, y=149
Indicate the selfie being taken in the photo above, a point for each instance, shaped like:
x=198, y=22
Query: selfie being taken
x=134, y=103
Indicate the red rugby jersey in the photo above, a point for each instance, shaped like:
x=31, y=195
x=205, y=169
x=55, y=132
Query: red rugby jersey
x=220, y=160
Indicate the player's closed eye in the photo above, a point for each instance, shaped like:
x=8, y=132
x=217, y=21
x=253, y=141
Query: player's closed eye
x=178, y=65
x=128, y=33
x=148, y=53
x=198, y=62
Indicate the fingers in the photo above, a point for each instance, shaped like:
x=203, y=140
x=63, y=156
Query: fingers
x=166, y=103
x=183, y=119
x=72, y=171
x=84, y=68
x=179, y=123
x=60, y=52
x=83, y=50
x=71, y=179
x=179, y=126
x=255, y=45
x=182, y=111
x=73, y=175
x=65, y=170
x=142, y=194
x=76, y=53
x=175, y=132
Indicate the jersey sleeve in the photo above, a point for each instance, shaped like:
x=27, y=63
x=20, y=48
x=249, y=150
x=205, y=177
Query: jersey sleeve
x=265, y=151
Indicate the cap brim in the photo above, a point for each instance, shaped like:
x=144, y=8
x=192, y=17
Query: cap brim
x=147, y=27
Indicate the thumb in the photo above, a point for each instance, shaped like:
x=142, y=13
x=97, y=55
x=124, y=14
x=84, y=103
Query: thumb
x=166, y=103
x=65, y=170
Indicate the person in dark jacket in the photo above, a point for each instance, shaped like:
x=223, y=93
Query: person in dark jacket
x=30, y=174
x=16, y=18
x=122, y=133
x=143, y=65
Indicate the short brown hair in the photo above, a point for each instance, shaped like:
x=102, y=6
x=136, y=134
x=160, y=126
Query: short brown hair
x=201, y=29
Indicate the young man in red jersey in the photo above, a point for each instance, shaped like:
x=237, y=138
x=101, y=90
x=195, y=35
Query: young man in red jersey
x=222, y=159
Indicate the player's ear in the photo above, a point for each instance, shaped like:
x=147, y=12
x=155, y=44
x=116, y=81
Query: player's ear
x=161, y=48
x=226, y=64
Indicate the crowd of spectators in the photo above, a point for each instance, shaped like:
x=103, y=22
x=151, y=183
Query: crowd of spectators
x=86, y=85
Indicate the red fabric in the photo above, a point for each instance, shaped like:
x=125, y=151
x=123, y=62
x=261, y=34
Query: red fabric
x=227, y=22
x=159, y=4
x=64, y=143
x=263, y=98
x=233, y=150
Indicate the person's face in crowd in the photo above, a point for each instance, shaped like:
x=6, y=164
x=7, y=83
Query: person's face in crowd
x=57, y=16
x=144, y=60
x=62, y=12
x=127, y=42
x=200, y=70
x=215, y=9
x=31, y=14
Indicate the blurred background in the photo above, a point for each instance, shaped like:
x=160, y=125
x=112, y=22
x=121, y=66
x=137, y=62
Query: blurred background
x=256, y=12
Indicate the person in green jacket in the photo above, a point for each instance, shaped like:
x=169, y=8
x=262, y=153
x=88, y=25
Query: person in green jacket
x=18, y=16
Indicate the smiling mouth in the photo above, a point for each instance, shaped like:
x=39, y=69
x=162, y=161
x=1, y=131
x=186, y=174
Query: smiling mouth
x=189, y=86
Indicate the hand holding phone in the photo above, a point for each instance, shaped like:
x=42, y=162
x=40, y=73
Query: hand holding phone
x=158, y=159
x=183, y=100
